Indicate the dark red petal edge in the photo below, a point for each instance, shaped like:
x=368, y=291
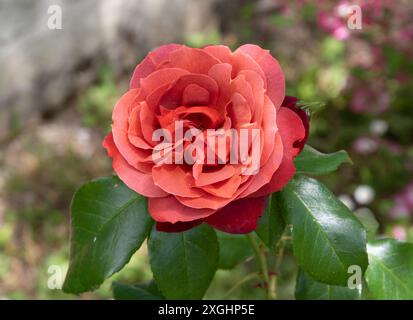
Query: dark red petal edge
x=239, y=217
x=177, y=227
x=291, y=103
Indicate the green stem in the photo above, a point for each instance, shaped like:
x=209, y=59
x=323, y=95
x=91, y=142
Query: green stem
x=240, y=283
x=262, y=262
x=272, y=287
x=279, y=255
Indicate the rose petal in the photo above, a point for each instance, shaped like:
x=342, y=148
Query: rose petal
x=150, y=63
x=222, y=53
x=177, y=227
x=291, y=129
x=291, y=102
x=242, y=61
x=134, y=179
x=192, y=59
x=174, y=180
x=148, y=123
x=281, y=177
x=241, y=86
x=207, y=178
x=221, y=73
x=160, y=78
x=168, y=209
x=120, y=118
x=239, y=217
x=267, y=171
x=135, y=131
x=207, y=201
x=195, y=95
x=203, y=116
x=224, y=189
x=258, y=90
x=272, y=70
x=174, y=96
x=239, y=111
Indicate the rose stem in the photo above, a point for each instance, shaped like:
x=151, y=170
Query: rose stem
x=241, y=282
x=279, y=254
x=262, y=262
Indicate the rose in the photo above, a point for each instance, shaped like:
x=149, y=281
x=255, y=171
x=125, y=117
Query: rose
x=208, y=88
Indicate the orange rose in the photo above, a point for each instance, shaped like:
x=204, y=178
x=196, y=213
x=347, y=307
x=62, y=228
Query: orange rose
x=205, y=89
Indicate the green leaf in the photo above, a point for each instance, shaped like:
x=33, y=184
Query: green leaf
x=327, y=238
x=183, y=264
x=311, y=107
x=271, y=225
x=142, y=291
x=311, y=161
x=309, y=289
x=233, y=249
x=390, y=273
x=369, y=221
x=109, y=223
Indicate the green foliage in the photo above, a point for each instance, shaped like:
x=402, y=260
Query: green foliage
x=233, y=250
x=303, y=225
x=389, y=275
x=369, y=222
x=271, y=225
x=143, y=291
x=183, y=264
x=311, y=161
x=327, y=238
x=332, y=50
x=109, y=223
x=309, y=289
x=36, y=195
x=97, y=102
x=200, y=39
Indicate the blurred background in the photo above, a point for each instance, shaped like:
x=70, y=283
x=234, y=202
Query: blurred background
x=58, y=87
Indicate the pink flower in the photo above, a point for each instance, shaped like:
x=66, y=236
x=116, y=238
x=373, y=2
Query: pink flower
x=333, y=24
x=399, y=233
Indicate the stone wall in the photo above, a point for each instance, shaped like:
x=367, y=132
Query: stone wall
x=40, y=69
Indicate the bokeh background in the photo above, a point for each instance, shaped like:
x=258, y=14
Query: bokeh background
x=58, y=88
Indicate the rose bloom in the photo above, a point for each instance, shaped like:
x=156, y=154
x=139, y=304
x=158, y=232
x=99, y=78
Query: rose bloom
x=208, y=88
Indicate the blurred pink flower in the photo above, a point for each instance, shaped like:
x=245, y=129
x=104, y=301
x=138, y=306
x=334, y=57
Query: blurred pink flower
x=403, y=202
x=365, y=146
x=408, y=195
x=341, y=33
x=376, y=99
x=399, y=233
x=333, y=24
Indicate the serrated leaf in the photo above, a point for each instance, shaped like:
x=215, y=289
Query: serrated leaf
x=142, y=291
x=327, y=238
x=309, y=289
x=271, y=225
x=311, y=161
x=183, y=264
x=390, y=273
x=109, y=222
x=233, y=249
